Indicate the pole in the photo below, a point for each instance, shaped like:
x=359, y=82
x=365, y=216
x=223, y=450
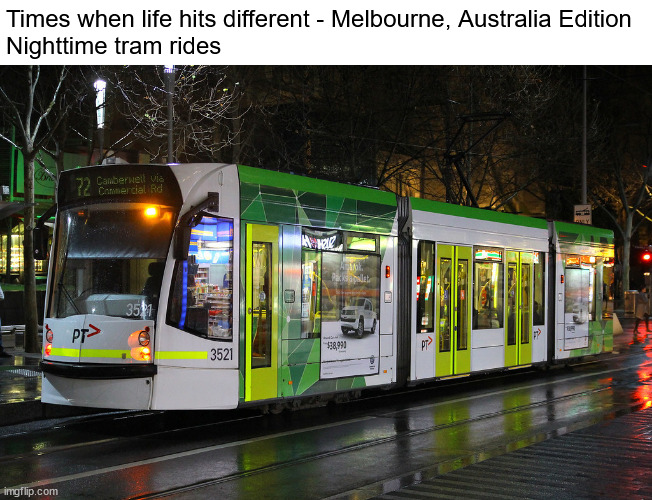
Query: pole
x=169, y=71
x=100, y=137
x=100, y=109
x=584, y=134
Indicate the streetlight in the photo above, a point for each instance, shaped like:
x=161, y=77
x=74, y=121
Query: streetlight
x=169, y=76
x=100, y=102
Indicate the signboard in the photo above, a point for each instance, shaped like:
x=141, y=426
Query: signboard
x=582, y=214
x=44, y=183
x=142, y=183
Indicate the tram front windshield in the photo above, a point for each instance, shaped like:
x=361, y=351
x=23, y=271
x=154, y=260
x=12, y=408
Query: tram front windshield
x=109, y=260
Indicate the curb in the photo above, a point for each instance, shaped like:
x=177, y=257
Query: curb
x=29, y=411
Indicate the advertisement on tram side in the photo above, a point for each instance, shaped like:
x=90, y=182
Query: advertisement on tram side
x=350, y=341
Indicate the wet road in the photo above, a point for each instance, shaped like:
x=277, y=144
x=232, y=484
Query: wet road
x=355, y=450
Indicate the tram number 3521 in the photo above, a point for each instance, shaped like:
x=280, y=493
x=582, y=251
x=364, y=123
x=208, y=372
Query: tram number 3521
x=221, y=354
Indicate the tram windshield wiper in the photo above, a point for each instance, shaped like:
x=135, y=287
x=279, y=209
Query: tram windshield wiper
x=62, y=289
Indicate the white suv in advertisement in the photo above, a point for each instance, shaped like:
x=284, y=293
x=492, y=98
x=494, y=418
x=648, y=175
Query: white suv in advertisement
x=359, y=317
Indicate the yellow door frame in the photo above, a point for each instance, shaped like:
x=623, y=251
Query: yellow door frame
x=452, y=357
x=261, y=382
x=520, y=353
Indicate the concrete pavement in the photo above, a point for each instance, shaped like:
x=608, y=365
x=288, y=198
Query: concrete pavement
x=20, y=385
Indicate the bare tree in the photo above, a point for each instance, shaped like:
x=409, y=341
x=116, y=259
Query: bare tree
x=619, y=182
x=32, y=102
x=207, y=113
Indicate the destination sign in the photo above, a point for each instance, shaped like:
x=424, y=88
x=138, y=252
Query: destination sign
x=148, y=183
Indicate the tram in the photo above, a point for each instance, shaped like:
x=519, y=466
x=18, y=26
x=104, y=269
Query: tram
x=215, y=286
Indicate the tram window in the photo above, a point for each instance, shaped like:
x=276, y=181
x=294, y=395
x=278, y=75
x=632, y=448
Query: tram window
x=201, y=298
x=512, y=302
x=311, y=294
x=261, y=299
x=102, y=258
x=445, y=301
x=539, y=291
x=488, y=290
x=462, y=295
x=581, y=290
x=425, y=284
x=526, y=317
x=362, y=243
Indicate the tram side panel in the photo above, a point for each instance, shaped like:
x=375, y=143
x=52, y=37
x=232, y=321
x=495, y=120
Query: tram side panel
x=334, y=305
x=462, y=257
x=196, y=348
x=583, y=269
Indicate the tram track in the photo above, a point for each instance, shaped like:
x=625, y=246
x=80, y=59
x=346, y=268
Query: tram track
x=365, y=400
x=537, y=437
x=317, y=456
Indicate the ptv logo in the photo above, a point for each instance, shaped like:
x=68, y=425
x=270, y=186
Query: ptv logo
x=83, y=333
x=426, y=343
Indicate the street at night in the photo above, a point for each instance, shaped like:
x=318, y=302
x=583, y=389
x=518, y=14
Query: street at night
x=363, y=449
x=320, y=281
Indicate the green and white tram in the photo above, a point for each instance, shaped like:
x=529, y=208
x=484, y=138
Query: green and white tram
x=213, y=286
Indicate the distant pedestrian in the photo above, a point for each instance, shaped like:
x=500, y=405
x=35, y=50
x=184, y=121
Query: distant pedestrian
x=3, y=353
x=642, y=309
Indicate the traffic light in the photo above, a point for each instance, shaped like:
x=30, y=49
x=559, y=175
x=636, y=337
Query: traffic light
x=646, y=257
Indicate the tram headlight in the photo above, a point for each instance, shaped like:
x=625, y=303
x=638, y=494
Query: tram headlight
x=143, y=338
x=49, y=335
x=139, y=342
x=141, y=353
x=139, y=338
x=151, y=212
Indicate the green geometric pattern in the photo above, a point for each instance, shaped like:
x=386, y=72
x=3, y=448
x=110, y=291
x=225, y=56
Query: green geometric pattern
x=273, y=197
x=267, y=196
x=588, y=240
x=582, y=239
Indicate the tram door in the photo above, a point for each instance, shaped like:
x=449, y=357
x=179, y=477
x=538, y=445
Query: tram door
x=453, y=311
x=518, y=333
x=261, y=325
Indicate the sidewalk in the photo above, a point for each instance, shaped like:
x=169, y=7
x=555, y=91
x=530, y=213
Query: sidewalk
x=20, y=384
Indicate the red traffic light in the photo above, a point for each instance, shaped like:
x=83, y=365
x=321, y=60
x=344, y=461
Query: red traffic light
x=646, y=256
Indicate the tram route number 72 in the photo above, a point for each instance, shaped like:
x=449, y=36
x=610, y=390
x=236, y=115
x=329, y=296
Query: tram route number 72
x=221, y=354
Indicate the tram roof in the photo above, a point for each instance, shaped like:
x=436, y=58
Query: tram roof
x=596, y=232
x=581, y=238
x=440, y=207
x=282, y=180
